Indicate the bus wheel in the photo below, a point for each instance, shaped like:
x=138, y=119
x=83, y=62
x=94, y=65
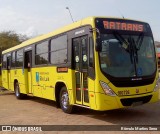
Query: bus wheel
x=17, y=91
x=64, y=101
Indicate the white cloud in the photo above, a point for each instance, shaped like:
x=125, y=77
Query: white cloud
x=31, y=25
x=32, y=18
x=11, y=20
x=30, y=32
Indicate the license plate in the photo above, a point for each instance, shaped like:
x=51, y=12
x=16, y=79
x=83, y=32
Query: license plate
x=137, y=103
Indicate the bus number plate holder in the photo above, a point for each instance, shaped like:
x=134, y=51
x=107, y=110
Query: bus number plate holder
x=137, y=103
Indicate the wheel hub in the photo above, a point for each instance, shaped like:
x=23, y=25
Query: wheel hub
x=65, y=100
x=17, y=90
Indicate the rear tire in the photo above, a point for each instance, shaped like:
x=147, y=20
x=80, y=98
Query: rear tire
x=17, y=92
x=64, y=101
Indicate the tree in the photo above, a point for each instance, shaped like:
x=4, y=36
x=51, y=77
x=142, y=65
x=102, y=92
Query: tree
x=9, y=39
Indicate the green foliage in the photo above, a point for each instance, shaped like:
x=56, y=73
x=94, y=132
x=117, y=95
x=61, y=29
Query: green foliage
x=9, y=39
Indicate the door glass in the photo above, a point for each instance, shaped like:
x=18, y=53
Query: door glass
x=28, y=65
x=8, y=63
x=76, y=53
x=80, y=64
x=84, y=52
x=28, y=61
x=85, y=87
x=78, y=86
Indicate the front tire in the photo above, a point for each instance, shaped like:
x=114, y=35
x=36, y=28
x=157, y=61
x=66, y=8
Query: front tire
x=17, y=92
x=64, y=101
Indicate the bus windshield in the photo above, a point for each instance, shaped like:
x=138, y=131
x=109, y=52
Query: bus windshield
x=127, y=55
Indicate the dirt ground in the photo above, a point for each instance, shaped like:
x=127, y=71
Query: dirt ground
x=36, y=111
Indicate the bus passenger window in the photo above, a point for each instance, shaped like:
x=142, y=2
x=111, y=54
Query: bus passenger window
x=91, y=52
x=41, y=53
x=8, y=63
x=28, y=59
x=58, y=53
x=4, y=63
x=13, y=59
x=19, y=58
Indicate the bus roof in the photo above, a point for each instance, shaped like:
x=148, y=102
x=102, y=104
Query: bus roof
x=89, y=20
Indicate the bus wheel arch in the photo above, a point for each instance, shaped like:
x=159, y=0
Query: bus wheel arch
x=58, y=87
x=17, y=90
x=15, y=81
x=61, y=94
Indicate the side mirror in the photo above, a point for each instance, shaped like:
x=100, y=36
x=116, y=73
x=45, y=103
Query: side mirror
x=98, y=44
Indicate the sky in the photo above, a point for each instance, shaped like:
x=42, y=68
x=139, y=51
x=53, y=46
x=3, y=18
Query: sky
x=36, y=17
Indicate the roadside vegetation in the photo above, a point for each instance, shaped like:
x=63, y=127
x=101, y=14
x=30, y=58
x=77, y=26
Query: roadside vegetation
x=9, y=39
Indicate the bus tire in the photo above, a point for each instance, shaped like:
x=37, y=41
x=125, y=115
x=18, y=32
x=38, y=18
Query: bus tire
x=64, y=101
x=17, y=92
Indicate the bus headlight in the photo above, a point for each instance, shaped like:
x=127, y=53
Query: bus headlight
x=157, y=85
x=107, y=89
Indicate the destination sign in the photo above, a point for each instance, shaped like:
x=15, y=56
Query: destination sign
x=113, y=25
x=108, y=25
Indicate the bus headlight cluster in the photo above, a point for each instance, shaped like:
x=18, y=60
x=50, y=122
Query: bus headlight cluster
x=107, y=89
x=157, y=85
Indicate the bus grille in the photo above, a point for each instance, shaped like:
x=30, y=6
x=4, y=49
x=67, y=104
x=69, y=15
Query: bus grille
x=130, y=101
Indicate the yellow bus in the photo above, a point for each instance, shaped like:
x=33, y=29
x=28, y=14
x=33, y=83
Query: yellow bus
x=100, y=63
x=0, y=75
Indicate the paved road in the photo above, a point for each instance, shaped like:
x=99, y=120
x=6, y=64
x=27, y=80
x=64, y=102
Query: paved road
x=36, y=111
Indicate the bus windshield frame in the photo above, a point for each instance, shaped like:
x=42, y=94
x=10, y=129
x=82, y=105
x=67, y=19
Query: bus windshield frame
x=130, y=42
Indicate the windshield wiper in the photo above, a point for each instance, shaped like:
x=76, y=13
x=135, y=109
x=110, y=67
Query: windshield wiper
x=122, y=41
x=134, y=49
x=133, y=53
x=125, y=44
x=139, y=41
x=136, y=45
x=130, y=49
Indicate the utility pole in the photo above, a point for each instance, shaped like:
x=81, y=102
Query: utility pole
x=70, y=13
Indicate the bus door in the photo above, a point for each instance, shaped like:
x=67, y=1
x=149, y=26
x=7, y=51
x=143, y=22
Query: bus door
x=27, y=66
x=80, y=63
x=8, y=72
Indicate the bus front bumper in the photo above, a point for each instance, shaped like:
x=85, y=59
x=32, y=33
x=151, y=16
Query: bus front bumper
x=105, y=102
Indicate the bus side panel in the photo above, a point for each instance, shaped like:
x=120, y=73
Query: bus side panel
x=39, y=80
x=26, y=82
x=44, y=80
x=92, y=95
x=0, y=80
x=19, y=76
x=5, y=78
x=47, y=81
x=12, y=73
x=68, y=78
x=72, y=92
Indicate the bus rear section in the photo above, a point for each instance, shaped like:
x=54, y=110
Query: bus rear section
x=126, y=67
